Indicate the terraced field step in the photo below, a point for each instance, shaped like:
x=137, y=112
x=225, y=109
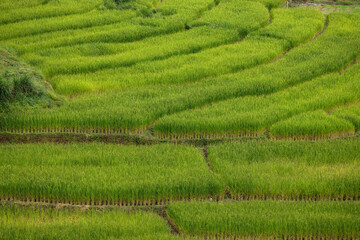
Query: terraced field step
x=169, y=17
x=191, y=95
x=350, y=113
x=210, y=30
x=210, y=220
x=288, y=170
x=16, y=11
x=267, y=219
x=99, y=174
x=256, y=114
x=312, y=125
x=65, y=223
x=61, y=23
x=258, y=47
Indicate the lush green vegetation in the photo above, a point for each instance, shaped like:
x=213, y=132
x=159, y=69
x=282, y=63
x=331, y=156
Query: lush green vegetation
x=268, y=219
x=143, y=73
x=138, y=108
x=61, y=23
x=10, y=4
x=259, y=47
x=153, y=48
x=254, y=115
x=212, y=31
x=170, y=16
x=16, y=11
x=312, y=125
x=289, y=170
x=105, y=174
x=20, y=222
x=21, y=85
x=350, y=113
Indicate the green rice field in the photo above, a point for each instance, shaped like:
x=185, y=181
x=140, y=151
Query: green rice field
x=179, y=119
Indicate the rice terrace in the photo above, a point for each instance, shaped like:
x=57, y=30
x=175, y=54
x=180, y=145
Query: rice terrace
x=179, y=119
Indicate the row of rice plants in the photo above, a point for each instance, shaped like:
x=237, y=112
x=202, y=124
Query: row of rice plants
x=129, y=53
x=312, y=125
x=81, y=50
x=13, y=4
x=229, y=14
x=61, y=23
x=216, y=31
x=138, y=108
x=170, y=16
x=125, y=31
x=168, y=45
x=253, y=219
x=268, y=219
x=105, y=174
x=51, y=8
x=255, y=114
x=350, y=113
x=36, y=222
x=88, y=49
x=84, y=50
x=289, y=170
x=261, y=46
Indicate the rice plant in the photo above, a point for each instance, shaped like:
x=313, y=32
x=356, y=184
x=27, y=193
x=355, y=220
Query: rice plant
x=229, y=14
x=260, y=47
x=125, y=31
x=134, y=110
x=156, y=47
x=105, y=174
x=36, y=222
x=160, y=22
x=213, y=32
x=62, y=23
x=253, y=115
x=268, y=219
x=350, y=113
x=327, y=169
x=50, y=8
x=312, y=125
x=165, y=46
x=15, y=4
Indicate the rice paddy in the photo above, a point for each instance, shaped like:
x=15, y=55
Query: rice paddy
x=268, y=219
x=179, y=119
x=132, y=175
x=19, y=222
x=324, y=170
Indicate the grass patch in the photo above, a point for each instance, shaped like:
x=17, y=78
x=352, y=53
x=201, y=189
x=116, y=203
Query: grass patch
x=21, y=85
